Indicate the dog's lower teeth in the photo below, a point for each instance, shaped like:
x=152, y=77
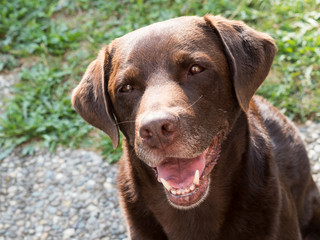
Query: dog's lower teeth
x=191, y=188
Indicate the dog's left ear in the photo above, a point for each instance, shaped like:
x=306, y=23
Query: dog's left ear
x=249, y=53
x=91, y=100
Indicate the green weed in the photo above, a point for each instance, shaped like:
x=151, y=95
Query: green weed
x=41, y=110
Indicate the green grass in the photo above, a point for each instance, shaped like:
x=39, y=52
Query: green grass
x=56, y=40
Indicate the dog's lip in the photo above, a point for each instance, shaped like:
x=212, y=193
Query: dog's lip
x=194, y=188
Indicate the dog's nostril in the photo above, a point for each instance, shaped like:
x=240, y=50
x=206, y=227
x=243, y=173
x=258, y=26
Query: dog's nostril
x=145, y=133
x=167, y=128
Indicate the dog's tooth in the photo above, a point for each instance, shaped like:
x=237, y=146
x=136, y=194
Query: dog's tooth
x=192, y=187
x=196, y=179
x=165, y=184
x=174, y=192
x=187, y=190
x=179, y=192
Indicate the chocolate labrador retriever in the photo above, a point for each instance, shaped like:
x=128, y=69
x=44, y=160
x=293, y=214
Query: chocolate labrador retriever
x=202, y=157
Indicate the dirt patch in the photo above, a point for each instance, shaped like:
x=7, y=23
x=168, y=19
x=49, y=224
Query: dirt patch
x=6, y=83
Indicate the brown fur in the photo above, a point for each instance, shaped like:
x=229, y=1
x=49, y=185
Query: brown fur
x=261, y=187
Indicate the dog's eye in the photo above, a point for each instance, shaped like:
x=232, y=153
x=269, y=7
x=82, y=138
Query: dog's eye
x=195, y=69
x=126, y=88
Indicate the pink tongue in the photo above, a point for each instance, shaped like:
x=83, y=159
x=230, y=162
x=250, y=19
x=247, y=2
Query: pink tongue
x=179, y=172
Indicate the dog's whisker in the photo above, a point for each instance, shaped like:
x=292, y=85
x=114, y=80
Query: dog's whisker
x=130, y=121
x=193, y=103
x=221, y=110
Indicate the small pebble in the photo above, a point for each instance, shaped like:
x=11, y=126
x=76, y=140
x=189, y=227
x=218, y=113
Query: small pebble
x=68, y=233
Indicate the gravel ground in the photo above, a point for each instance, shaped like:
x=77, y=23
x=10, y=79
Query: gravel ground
x=72, y=194
x=67, y=195
x=311, y=135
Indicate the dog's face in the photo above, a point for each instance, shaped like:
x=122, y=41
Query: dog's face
x=175, y=89
x=166, y=90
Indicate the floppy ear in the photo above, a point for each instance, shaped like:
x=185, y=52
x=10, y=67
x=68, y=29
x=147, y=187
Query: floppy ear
x=249, y=53
x=91, y=100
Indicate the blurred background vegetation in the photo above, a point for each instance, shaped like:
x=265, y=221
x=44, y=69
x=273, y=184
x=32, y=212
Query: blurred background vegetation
x=50, y=43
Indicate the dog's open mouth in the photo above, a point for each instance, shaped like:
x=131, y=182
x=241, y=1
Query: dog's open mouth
x=186, y=180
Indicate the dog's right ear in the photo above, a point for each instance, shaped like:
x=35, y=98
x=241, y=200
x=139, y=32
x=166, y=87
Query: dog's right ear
x=91, y=100
x=249, y=53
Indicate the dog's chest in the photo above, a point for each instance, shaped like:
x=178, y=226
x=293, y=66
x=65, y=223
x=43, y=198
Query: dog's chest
x=188, y=224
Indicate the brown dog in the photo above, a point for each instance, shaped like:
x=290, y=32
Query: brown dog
x=203, y=158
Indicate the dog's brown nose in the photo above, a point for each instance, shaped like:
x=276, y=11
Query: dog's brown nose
x=159, y=129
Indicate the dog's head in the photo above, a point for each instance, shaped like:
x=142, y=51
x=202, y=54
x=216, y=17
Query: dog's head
x=175, y=89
